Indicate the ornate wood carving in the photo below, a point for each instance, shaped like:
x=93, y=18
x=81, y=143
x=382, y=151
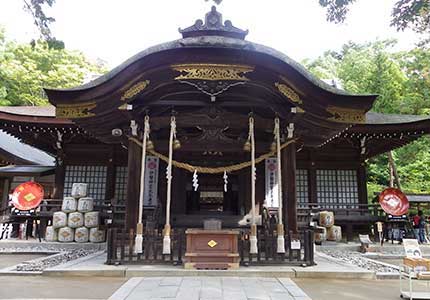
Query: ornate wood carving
x=74, y=111
x=346, y=115
x=134, y=90
x=212, y=72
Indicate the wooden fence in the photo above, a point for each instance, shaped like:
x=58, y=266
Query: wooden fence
x=120, y=248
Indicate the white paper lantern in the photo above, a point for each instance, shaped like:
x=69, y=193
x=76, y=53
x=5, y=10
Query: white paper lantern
x=85, y=204
x=69, y=204
x=65, y=235
x=75, y=220
x=59, y=219
x=92, y=219
x=81, y=235
x=79, y=190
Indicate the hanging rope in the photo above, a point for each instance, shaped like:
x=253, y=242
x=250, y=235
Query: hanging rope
x=253, y=236
x=280, y=226
x=216, y=170
x=166, y=238
x=139, y=228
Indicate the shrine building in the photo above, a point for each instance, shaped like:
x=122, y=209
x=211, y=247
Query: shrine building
x=208, y=108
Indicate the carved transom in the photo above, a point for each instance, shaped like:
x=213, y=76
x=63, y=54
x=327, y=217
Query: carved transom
x=212, y=72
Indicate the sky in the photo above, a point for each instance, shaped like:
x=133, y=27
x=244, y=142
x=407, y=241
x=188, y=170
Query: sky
x=114, y=30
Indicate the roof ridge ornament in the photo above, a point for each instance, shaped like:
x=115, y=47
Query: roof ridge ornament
x=213, y=25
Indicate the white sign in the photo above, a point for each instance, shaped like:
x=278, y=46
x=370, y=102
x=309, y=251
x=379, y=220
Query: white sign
x=295, y=245
x=272, y=199
x=150, y=197
x=412, y=249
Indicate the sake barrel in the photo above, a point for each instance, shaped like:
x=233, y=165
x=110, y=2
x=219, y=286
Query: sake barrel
x=69, y=204
x=79, y=190
x=97, y=235
x=320, y=234
x=65, y=234
x=59, y=219
x=81, y=235
x=85, y=204
x=92, y=219
x=334, y=233
x=326, y=219
x=51, y=234
x=76, y=219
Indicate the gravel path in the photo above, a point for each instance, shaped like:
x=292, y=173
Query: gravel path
x=355, y=258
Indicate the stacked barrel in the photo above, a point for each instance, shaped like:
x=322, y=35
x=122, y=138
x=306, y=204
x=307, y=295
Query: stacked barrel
x=77, y=221
x=326, y=229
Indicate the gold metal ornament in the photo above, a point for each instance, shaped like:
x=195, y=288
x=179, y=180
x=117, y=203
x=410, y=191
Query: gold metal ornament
x=247, y=146
x=134, y=90
x=176, y=144
x=75, y=111
x=212, y=72
x=288, y=92
x=346, y=115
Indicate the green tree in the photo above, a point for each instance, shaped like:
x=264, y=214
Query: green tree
x=402, y=81
x=26, y=68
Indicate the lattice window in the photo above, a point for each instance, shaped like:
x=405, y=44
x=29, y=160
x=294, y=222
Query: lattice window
x=94, y=176
x=121, y=184
x=337, y=187
x=302, y=190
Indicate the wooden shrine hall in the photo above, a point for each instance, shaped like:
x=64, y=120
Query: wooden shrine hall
x=248, y=137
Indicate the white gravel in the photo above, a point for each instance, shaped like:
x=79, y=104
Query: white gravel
x=357, y=259
x=53, y=260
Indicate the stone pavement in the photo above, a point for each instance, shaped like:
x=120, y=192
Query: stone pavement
x=210, y=288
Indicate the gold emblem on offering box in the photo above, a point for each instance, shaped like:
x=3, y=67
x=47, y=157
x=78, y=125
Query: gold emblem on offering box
x=29, y=197
x=212, y=72
x=134, y=90
x=65, y=234
x=288, y=92
x=346, y=115
x=212, y=243
x=74, y=111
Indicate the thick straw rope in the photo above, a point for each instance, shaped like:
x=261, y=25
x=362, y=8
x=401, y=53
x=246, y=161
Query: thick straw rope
x=280, y=228
x=253, y=236
x=217, y=170
x=139, y=229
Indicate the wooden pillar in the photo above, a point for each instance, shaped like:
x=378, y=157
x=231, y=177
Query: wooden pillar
x=133, y=184
x=362, y=184
x=60, y=174
x=5, y=193
x=289, y=197
x=110, y=177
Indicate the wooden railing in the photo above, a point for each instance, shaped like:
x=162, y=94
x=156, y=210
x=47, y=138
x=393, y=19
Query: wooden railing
x=120, y=247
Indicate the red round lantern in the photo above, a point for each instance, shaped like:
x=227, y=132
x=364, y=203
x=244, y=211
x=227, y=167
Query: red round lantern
x=27, y=195
x=394, y=202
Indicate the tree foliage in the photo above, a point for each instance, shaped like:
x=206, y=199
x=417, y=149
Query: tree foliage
x=26, y=68
x=402, y=81
x=413, y=14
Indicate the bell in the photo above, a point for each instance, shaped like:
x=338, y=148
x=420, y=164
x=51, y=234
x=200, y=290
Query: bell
x=149, y=145
x=176, y=144
x=273, y=146
x=247, y=146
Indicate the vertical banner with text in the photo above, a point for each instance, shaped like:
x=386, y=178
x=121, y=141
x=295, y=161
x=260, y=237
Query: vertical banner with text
x=150, y=198
x=272, y=199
